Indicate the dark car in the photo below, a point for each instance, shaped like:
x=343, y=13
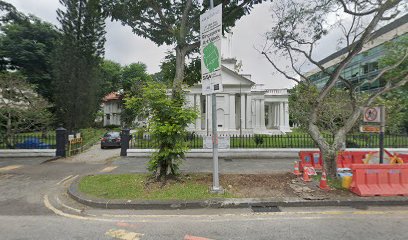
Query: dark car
x=110, y=139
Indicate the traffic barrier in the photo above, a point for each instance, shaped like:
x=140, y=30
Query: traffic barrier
x=323, y=182
x=310, y=159
x=380, y=179
x=296, y=170
x=346, y=158
x=397, y=157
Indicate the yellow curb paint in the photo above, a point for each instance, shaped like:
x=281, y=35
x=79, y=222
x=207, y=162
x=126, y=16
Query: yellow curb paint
x=123, y=234
x=9, y=168
x=108, y=169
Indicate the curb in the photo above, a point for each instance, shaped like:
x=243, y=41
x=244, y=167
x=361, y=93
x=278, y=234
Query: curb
x=73, y=192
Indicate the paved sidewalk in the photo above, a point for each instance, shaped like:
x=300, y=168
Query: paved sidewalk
x=94, y=155
x=205, y=165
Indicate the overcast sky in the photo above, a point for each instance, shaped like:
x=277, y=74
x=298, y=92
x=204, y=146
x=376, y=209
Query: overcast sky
x=125, y=47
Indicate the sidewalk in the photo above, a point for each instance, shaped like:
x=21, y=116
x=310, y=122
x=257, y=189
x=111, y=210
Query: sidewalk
x=205, y=165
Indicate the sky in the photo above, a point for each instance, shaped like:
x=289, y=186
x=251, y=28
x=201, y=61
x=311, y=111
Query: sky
x=125, y=47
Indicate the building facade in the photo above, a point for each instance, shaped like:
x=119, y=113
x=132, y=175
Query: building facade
x=365, y=65
x=243, y=107
x=112, y=107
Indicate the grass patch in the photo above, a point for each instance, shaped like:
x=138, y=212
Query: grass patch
x=133, y=186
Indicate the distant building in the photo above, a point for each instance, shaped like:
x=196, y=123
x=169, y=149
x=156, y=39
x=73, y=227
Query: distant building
x=364, y=65
x=112, y=107
x=243, y=106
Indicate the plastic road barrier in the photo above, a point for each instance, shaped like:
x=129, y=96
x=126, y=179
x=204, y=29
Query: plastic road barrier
x=380, y=179
x=346, y=158
x=310, y=159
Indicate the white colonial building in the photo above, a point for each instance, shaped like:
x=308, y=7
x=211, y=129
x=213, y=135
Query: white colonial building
x=242, y=106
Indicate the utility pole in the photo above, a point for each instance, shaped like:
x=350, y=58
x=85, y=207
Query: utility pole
x=216, y=180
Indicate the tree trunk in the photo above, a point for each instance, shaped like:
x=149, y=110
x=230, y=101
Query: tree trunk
x=179, y=77
x=329, y=161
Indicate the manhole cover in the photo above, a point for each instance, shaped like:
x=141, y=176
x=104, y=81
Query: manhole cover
x=265, y=209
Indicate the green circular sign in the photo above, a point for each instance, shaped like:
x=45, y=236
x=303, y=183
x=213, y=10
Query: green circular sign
x=211, y=57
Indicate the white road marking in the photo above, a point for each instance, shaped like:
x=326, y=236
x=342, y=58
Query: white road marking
x=66, y=206
x=64, y=179
x=108, y=169
x=9, y=168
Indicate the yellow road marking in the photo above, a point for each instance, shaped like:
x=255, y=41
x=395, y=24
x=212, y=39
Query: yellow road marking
x=108, y=169
x=9, y=168
x=123, y=234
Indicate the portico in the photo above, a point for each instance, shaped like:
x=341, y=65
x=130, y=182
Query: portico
x=243, y=106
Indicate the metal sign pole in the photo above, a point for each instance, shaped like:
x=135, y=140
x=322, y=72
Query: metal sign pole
x=382, y=130
x=216, y=181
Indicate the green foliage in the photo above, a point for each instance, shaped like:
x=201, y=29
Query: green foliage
x=134, y=79
x=332, y=114
x=258, y=139
x=21, y=109
x=76, y=64
x=168, y=120
x=110, y=73
x=27, y=46
x=192, y=71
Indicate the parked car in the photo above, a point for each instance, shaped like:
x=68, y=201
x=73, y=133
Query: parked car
x=110, y=139
x=32, y=143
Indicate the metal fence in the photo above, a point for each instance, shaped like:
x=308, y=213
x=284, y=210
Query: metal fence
x=360, y=140
x=28, y=141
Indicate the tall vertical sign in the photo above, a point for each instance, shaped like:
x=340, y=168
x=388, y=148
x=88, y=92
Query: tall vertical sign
x=210, y=38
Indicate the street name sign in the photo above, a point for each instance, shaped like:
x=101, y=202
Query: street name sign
x=370, y=129
x=210, y=39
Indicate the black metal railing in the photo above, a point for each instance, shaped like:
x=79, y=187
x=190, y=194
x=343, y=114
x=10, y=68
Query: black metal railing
x=358, y=140
x=36, y=140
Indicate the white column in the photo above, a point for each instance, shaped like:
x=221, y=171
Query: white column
x=257, y=113
x=262, y=114
x=270, y=115
x=287, y=115
x=277, y=115
x=232, y=111
x=242, y=113
x=226, y=111
x=281, y=115
x=248, y=111
x=197, y=102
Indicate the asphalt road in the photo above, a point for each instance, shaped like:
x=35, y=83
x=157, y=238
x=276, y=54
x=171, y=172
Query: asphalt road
x=33, y=206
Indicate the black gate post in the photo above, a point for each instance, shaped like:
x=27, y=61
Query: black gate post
x=61, y=140
x=124, y=141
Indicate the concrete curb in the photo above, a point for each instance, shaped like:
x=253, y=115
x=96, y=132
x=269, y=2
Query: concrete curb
x=73, y=192
x=20, y=153
x=259, y=153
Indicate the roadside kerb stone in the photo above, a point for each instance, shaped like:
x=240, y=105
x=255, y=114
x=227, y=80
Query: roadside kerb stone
x=251, y=152
x=73, y=192
x=18, y=153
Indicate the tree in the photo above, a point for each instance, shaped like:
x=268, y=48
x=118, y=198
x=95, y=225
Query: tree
x=134, y=80
x=21, y=108
x=9, y=13
x=76, y=62
x=168, y=121
x=173, y=23
x=299, y=27
x=110, y=74
x=27, y=46
x=192, y=70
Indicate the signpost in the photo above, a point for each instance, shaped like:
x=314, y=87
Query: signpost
x=375, y=115
x=210, y=39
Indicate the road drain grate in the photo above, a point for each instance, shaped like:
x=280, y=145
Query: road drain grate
x=265, y=209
